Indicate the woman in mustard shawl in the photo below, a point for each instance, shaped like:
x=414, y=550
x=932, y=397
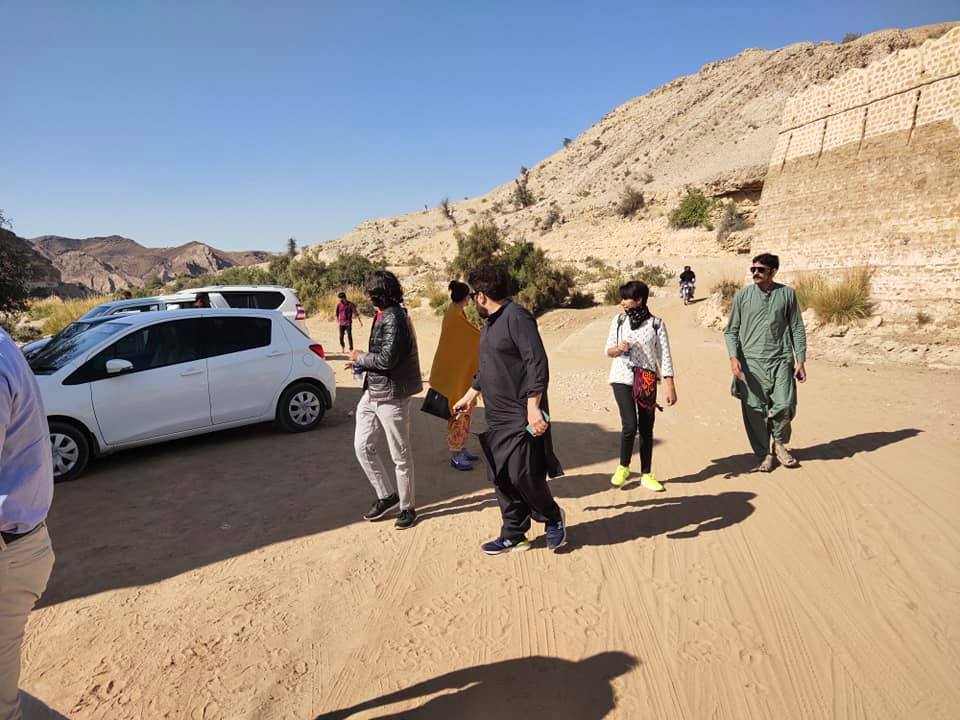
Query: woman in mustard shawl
x=454, y=365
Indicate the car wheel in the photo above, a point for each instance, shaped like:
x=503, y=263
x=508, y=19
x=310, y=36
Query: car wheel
x=301, y=407
x=71, y=450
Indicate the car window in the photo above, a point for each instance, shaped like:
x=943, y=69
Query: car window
x=227, y=335
x=62, y=350
x=153, y=307
x=254, y=300
x=148, y=348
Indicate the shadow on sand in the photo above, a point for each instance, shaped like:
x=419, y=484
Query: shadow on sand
x=529, y=687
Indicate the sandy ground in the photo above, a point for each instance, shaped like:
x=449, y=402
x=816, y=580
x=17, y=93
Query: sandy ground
x=231, y=577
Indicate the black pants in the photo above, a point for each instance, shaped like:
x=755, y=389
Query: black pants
x=348, y=330
x=634, y=419
x=521, y=488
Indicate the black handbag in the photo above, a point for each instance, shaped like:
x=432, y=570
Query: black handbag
x=436, y=404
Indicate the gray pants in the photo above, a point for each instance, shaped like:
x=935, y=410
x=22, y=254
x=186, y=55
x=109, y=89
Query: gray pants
x=393, y=416
x=25, y=567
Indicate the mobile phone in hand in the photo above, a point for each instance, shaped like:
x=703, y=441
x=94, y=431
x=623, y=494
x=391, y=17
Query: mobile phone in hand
x=546, y=419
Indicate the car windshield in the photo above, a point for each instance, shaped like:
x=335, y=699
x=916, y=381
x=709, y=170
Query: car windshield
x=65, y=348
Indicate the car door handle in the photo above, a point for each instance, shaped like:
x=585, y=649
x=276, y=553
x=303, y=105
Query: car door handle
x=188, y=373
x=276, y=353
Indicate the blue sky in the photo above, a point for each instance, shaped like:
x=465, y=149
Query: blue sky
x=240, y=124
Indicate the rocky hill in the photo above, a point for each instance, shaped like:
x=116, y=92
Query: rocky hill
x=105, y=264
x=715, y=130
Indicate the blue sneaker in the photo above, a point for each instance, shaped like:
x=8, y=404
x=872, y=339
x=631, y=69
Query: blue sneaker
x=459, y=462
x=505, y=545
x=469, y=455
x=557, y=532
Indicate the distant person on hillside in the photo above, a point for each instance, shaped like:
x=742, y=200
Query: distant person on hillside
x=517, y=445
x=767, y=345
x=454, y=365
x=202, y=300
x=346, y=312
x=26, y=490
x=640, y=349
x=392, y=369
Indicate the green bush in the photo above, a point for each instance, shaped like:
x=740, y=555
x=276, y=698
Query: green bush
x=479, y=245
x=850, y=37
x=539, y=284
x=694, y=211
x=653, y=275
x=630, y=202
x=923, y=318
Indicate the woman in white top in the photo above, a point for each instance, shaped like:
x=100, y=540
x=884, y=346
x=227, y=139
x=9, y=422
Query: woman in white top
x=638, y=340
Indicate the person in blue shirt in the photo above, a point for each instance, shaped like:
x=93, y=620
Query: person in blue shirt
x=26, y=490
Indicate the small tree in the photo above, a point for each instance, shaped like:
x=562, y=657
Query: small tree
x=522, y=195
x=553, y=218
x=152, y=282
x=480, y=244
x=567, y=142
x=447, y=210
x=850, y=37
x=630, y=202
x=730, y=221
x=292, y=247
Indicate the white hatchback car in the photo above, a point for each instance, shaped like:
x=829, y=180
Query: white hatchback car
x=150, y=377
x=249, y=297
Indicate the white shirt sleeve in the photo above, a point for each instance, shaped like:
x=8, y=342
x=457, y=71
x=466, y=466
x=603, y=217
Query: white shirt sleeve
x=666, y=359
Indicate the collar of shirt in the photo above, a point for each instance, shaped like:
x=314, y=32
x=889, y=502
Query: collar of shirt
x=493, y=318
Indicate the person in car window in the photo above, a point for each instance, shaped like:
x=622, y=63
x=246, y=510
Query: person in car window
x=392, y=368
x=202, y=301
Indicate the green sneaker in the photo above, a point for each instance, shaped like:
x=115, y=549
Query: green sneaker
x=650, y=483
x=620, y=476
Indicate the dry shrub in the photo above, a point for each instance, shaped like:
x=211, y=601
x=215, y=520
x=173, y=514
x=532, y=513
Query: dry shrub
x=60, y=314
x=726, y=289
x=842, y=301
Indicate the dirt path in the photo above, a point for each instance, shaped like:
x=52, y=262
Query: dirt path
x=230, y=577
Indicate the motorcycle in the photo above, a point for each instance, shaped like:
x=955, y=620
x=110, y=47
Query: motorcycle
x=686, y=292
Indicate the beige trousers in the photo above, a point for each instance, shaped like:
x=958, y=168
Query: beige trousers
x=25, y=567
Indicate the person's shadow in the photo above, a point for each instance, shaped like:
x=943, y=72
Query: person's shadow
x=529, y=687
x=678, y=518
x=742, y=463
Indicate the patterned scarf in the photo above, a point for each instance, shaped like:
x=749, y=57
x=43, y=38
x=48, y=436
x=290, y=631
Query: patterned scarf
x=638, y=316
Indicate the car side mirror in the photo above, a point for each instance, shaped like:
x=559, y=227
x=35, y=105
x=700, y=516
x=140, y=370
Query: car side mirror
x=115, y=367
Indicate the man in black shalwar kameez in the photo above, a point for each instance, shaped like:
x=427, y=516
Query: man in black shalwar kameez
x=513, y=379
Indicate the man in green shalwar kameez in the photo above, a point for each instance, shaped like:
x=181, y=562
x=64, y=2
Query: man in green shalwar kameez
x=767, y=345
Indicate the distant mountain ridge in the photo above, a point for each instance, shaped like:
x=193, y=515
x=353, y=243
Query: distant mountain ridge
x=106, y=264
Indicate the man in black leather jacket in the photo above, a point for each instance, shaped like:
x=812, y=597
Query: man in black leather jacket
x=393, y=376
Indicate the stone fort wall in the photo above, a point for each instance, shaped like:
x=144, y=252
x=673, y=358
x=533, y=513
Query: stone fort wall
x=866, y=171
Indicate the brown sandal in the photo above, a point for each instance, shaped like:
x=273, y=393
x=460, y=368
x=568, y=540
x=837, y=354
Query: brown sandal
x=784, y=456
x=766, y=466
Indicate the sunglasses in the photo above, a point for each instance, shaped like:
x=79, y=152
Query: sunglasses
x=757, y=270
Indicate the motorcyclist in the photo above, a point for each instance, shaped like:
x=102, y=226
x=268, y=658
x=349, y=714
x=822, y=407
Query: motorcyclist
x=687, y=276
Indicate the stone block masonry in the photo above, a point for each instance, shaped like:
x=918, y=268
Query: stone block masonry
x=866, y=171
